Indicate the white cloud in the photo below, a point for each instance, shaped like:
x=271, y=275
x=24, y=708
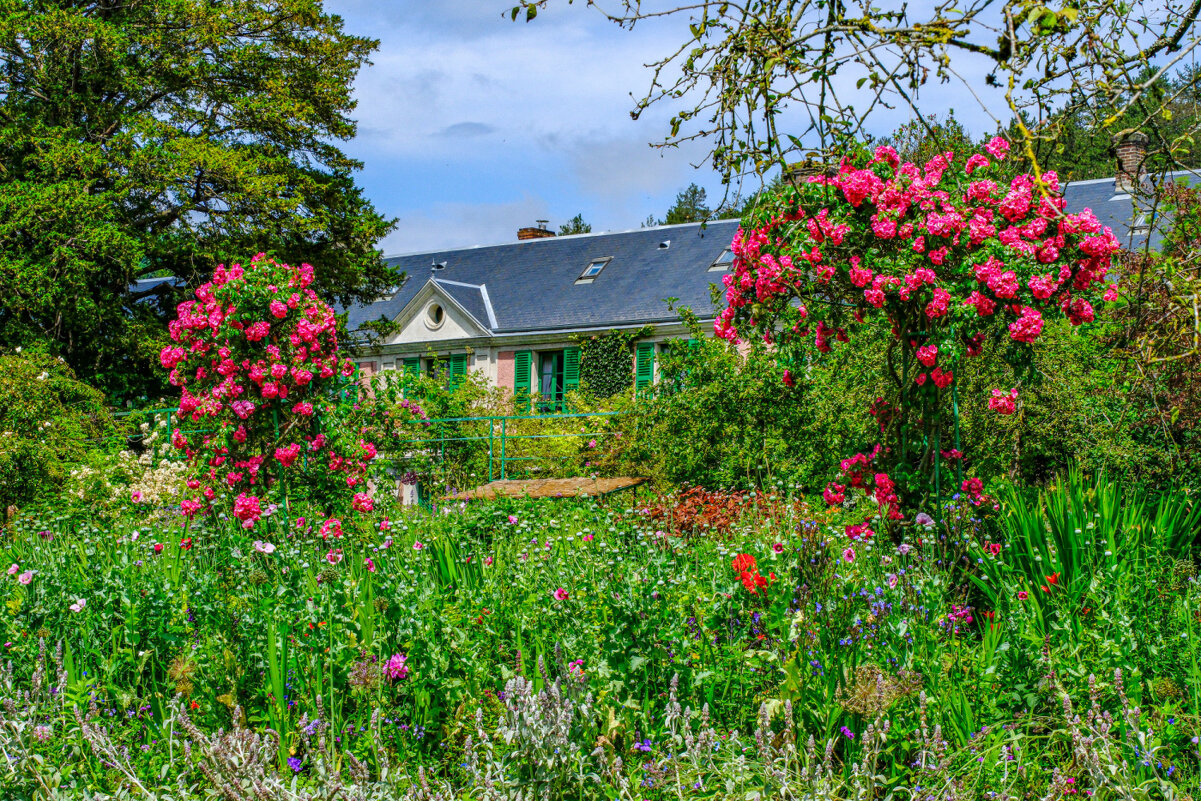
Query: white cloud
x=456, y=225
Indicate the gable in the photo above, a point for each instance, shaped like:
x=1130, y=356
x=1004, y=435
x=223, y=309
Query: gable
x=433, y=315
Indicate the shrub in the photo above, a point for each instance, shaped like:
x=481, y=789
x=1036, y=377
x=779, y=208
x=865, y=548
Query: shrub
x=48, y=420
x=256, y=360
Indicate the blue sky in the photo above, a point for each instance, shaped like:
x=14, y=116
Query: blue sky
x=471, y=126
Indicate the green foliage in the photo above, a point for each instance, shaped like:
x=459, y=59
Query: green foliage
x=720, y=419
x=155, y=139
x=690, y=206
x=48, y=421
x=606, y=362
x=576, y=225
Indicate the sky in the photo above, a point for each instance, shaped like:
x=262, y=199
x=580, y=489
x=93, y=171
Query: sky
x=471, y=126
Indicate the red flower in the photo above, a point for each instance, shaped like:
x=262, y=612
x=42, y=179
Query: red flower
x=1053, y=579
x=186, y=543
x=743, y=562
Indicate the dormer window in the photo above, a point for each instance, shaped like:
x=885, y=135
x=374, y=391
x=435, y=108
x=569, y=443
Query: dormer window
x=593, y=270
x=723, y=262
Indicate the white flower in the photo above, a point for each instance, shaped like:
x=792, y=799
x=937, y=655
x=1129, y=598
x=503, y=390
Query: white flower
x=264, y=547
x=78, y=605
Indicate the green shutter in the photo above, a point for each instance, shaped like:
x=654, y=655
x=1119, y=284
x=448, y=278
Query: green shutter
x=522, y=360
x=644, y=369
x=410, y=372
x=458, y=371
x=571, y=369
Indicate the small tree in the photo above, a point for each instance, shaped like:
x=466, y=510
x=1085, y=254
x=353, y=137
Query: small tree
x=575, y=225
x=957, y=262
x=256, y=360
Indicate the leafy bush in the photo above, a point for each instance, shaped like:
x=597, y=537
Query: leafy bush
x=48, y=421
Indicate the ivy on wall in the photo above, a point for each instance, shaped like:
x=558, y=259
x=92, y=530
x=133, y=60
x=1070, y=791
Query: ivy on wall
x=606, y=361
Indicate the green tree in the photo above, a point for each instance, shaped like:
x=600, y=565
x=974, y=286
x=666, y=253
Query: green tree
x=689, y=207
x=156, y=139
x=575, y=225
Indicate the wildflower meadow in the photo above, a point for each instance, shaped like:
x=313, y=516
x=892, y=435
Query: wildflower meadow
x=894, y=526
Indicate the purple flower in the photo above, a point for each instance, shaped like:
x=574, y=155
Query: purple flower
x=296, y=764
x=924, y=519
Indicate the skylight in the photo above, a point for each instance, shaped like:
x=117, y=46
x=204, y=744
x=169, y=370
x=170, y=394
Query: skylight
x=723, y=261
x=593, y=269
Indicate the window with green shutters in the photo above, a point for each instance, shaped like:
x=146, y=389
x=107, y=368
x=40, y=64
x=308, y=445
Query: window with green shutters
x=644, y=366
x=522, y=361
x=457, y=372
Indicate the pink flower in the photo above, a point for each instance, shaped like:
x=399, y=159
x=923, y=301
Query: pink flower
x=927, y=355
x=279, y=309
x=247, y=509
x=417, y=546
x=242, y=408
x=334, y=556
x=370, y=564
x=395, y=668
x=78, y=606
x=331, y=528
x=778, y=547
x=998, y=148
x=136, y=496
x=1027, y=327
x=560, y=594
x=848, y=555
x=13, y=570
x=25, y=577
x=362, y=502
x=487, y=561
x=512, y=520
x=975, y=162
x=288, y=455
x=264, y=547
x=1003, y=402
x=1023, y=595
x=158, y=547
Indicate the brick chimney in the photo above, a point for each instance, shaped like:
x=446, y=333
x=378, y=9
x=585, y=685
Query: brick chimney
x=799, y=172
x=1131, y=150
x=540, y=232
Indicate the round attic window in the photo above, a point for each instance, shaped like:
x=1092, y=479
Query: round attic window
x=434, y=316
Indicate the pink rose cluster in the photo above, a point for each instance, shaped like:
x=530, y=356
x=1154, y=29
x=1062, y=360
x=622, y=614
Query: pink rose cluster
x=949, y=246
x=255, y=354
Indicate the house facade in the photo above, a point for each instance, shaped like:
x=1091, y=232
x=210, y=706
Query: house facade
x=515, y=312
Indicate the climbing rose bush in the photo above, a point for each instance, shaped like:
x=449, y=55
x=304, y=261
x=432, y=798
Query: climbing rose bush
x=959, y=261
x=255, y=357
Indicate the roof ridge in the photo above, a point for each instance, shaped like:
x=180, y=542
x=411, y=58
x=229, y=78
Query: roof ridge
x=558, y=238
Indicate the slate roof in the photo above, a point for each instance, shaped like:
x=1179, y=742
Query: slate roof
x=1117, y=210
x=531, y=284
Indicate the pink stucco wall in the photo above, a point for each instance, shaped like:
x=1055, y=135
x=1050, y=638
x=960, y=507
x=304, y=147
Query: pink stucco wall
x=504, y=369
